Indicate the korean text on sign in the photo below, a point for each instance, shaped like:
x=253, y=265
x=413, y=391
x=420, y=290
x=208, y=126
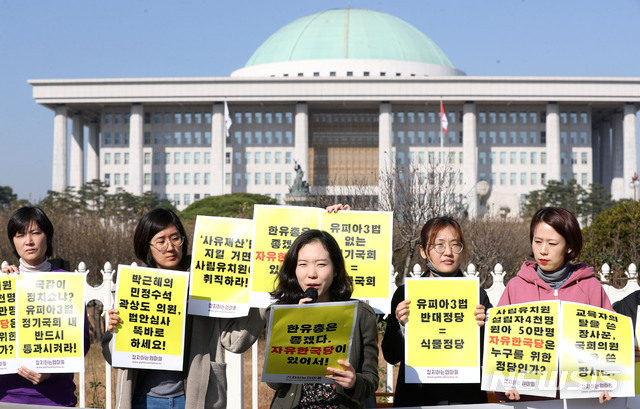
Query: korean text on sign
x=220, y=267
x=152, y=305
x=597, y=352
x=365, y=239
x=520, y=349
x=275, y=229
x=303, y=340
x=442, y=342
x=50, y=321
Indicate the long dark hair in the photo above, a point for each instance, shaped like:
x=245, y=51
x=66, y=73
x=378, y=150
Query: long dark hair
x=19, y=223
x=149, y=225
x=288, y=290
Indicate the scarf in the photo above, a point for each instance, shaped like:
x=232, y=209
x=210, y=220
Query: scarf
x=431, y=269
x=555, y=279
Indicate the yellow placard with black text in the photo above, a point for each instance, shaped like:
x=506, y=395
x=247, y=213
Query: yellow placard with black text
x=365, y=239
x=597, y=352
x=8, y=350
x=275, y=229
x=50, y=321
x=442, y=340
x=220, y=267
x=152, y=305
x=520, y=348
x=304, y=339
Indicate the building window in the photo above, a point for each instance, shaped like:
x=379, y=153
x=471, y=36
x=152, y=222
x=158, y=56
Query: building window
x=512, y=178
x=534, y=158
x=107, y=159
x=156, y=179
x=107, y=179
x=116, y=158
x=574, y=158
x=267, y=178
x=584, y=179
x=176, y=158
x=196, y=178
x=196, y=158
x=257, y=178
x=534, y=179
x=543, y=158
x=116, y=179
x=523, y=178
x=147, y=178
x=207, y=158
x=503, y=158
x=237, y=158
x=187, y=178
x=482, y=158
x=176, y=199
x=207, y=178
x=167, y=178
x=563, y=158
x=126, y=158
x=583, y=157
x=147, y=158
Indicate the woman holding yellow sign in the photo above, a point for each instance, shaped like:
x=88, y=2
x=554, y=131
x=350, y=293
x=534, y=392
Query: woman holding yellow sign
x=160, y=242
x=30, y=233
x=556, y=239
x=314, y=265
x=442, y=247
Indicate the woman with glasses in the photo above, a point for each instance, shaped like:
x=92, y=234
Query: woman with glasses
x=442, y=247
x=160, y=242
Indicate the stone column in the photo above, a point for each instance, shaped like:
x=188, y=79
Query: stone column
x=301, y=142
x=136, y=139
x=76, y=173
x=59, y=172
x=596, y=148
x=470, y=158
x=617, y=156
x=553, y=142
x=218, y=142
x=385, y=153
x=93, y=152
x=630, y=147
x=604, y=131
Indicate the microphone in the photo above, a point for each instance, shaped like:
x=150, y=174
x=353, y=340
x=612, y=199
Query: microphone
x=312, y=293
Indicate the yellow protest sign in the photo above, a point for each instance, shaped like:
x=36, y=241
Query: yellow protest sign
x=365, y=239
x=442, y=340
x=151, y=303
x=303, y=339
x=597, y=352
x=637, y=364
x=275, y=229
x=50, y=324
x=220, y=267
x=8, y=352
x=520, y=348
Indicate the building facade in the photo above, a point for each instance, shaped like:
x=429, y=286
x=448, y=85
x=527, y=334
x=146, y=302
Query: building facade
x=347, y=106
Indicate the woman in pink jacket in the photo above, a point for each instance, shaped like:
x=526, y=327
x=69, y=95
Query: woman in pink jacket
x=556, y=239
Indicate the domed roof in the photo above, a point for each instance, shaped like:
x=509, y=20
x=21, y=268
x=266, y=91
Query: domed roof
x=349, y=33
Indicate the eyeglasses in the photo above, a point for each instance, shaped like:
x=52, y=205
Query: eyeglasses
x=455, y=247
x=162, y=245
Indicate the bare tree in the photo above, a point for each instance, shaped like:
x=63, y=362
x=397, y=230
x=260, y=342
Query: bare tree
x=415, y=193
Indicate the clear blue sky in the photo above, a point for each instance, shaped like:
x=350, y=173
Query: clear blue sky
x=43, y=39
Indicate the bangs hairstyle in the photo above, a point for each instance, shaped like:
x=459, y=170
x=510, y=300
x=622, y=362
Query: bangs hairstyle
x=565, y=223
x=20, y=221
x=434, y=226
x=288, y=290
x=149, y=225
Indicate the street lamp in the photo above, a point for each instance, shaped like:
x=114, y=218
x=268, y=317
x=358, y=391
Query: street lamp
x=635, y=183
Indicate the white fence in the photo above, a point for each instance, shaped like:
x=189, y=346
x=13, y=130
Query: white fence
x=235, y=365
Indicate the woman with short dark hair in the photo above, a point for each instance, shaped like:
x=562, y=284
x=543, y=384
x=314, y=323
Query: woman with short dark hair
x=30, y=233
x=556, y=239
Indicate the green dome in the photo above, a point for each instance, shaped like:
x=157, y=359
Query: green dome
x=349, y=34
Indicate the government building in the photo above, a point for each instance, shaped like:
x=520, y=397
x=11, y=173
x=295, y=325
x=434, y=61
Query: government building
x=342, y=97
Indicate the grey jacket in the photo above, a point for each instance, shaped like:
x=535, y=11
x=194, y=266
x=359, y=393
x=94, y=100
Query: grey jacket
x=364, y=358
x=206, y=383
